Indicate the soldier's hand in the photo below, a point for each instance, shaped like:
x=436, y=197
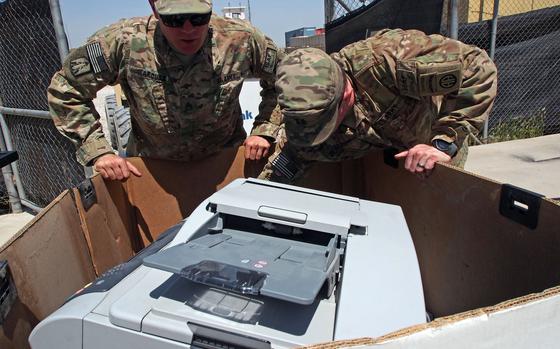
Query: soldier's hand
x=422, y=158
x=114, y=167
x=256, y=147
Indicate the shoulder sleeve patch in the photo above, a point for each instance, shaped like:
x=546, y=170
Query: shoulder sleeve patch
x=80, y=66
x=270, y=58
x=417, y=79
x=96, y=57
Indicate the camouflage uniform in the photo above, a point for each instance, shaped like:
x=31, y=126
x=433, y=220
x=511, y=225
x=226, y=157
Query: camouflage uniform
x=410, y=88
x=178, y=112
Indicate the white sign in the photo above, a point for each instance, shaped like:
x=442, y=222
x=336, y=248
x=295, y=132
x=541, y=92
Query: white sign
x=250, y=99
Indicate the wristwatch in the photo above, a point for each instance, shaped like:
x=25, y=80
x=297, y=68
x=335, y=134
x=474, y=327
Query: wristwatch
x=446, y=147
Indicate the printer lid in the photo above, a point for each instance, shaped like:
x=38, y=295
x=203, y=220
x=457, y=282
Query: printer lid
x=290, y=205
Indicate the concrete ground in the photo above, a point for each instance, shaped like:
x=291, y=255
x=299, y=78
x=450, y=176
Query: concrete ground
x=11, y=223
x=532, y=164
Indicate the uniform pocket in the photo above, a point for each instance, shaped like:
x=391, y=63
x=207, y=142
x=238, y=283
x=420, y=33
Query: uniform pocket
x=225, y=98
x=151, y=101
x=165, y=123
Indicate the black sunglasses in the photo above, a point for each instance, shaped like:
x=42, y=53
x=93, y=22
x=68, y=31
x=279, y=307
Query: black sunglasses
x=177, y=21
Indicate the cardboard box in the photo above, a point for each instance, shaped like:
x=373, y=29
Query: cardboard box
x=488, y=280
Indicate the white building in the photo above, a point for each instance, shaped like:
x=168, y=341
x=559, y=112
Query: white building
x=238, y=12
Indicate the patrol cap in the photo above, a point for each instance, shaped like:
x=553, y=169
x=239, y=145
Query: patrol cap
x=176, y=7
x=310, y=86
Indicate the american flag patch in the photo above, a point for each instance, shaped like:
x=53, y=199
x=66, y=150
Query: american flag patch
x=284, y=166
x=96, y=57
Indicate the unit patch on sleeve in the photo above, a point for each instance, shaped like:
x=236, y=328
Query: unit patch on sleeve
x=270, y=58
x=96, y=57
x=80, y=67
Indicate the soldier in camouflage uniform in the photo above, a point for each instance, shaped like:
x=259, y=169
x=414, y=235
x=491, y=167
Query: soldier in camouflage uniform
x=181, y=70
x=421, y=94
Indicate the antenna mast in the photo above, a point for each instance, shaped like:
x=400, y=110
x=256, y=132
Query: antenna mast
x=249, y=9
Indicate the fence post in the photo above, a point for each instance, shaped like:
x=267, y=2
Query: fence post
x=61, y=38
x=454, y=19
x=329, y=11
x=9, y=146
x=493, y=34
x=13, y=196
x=63, y=48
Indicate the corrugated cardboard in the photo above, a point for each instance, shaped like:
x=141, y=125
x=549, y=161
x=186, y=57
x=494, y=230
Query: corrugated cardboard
x=49, y=261
x=108, y=226
x=470, y=256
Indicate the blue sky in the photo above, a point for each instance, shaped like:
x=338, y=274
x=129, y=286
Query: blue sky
x=82, y=18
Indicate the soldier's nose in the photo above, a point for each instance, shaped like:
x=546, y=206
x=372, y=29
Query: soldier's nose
x=187, y=26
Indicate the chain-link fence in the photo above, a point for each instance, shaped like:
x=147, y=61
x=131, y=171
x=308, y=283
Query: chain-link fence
x=525, y=47
x=335, y=9
x=4, y=202
x=527, y=54
x=424, y=15
x=29, y=58
x=29, y=53
x=47, y=163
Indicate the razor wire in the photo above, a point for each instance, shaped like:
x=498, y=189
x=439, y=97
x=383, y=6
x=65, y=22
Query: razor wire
x=30, y=57
x=527, y=55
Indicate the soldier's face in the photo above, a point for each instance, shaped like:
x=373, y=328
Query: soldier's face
x=186, y=38
x=347, y=102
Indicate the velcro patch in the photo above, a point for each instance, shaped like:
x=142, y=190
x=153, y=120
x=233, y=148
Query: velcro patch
x=230, y=77
x=96, y=57
x=80, y=67
x=148, y=74
x=270, y=58
x=406, y=80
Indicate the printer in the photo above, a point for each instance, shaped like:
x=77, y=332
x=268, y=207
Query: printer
x=257, y=265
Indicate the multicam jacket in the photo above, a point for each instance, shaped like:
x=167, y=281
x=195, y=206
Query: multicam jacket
x=410, y=88
x=178, y=112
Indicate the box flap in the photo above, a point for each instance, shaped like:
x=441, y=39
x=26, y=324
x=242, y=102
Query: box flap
x=169, y=191
x=108, y=225
x=49, y=261
x=470, y=255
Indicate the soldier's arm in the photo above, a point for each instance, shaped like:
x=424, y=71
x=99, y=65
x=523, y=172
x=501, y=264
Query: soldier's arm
x=465, y=111
x=266, y=56
x=70, y=95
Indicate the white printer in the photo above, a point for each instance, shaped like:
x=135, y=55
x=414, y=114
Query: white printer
x=256, y=265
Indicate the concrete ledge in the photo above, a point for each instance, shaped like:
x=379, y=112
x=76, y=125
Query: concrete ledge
x=10, y=224
x=532, y=164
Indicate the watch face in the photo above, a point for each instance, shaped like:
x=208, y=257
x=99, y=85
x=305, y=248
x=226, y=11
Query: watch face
x=441, y=145
x=446, y=147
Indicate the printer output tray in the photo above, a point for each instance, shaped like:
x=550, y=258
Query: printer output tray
x=251, y=263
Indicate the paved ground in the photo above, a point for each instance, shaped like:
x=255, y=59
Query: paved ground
x=532, y=164
x=10, y=224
